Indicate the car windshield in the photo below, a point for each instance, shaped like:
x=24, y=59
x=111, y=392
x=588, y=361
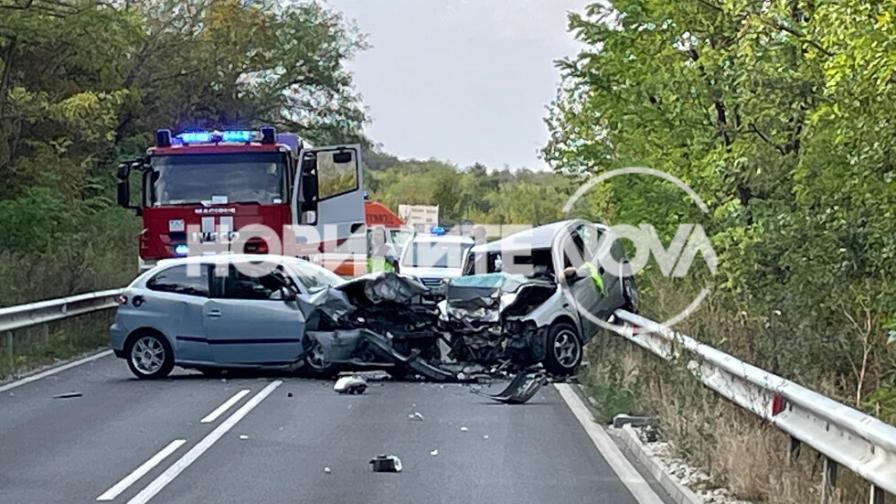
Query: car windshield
x=436, y=254
x=314, y=277
x=256, y=177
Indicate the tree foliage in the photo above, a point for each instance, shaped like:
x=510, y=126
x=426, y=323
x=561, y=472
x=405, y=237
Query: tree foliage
x=84, y=84
x=781, y=115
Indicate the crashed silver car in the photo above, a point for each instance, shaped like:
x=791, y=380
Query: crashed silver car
x=539, y=295
x=511, y=312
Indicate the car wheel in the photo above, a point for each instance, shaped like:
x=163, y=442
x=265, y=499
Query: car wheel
x=631, y=295
x=317, y=365
x=564, y=350
x=149, y=356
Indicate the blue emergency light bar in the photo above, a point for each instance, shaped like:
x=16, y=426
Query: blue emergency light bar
x=437, y=231
x=200, y=137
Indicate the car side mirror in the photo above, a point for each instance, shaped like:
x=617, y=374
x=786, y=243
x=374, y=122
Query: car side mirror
x=288, y=294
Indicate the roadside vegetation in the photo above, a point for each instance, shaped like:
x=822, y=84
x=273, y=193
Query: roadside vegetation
x=780, y=115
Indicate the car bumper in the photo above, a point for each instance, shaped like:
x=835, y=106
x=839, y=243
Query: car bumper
x=117, y=336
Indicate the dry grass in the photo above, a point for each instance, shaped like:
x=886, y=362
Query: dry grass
x=739, y=451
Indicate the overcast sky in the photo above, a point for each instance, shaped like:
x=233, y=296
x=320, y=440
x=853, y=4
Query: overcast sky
x=462, y=80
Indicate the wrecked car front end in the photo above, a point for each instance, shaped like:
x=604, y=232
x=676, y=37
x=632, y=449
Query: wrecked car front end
x=489, y=318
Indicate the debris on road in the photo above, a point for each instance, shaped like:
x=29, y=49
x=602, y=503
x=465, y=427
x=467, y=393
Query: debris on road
x=327, y=470
x=386, y=463
x=522, y=388
x=434, y=453
x=244, y=437
x=485, y=436
x=68, y=395
x=350, y=385
x=416, y=416
x=289, y=394
x=464, y=429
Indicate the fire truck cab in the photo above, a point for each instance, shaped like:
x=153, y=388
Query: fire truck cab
x=200, y=188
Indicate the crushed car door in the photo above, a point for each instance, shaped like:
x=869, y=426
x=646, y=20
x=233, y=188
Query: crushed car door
x=250, y=320
x=328, y=193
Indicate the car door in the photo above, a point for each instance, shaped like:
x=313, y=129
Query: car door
x=175, y=306
x=247, y=321
x=580, y=244
x=328, y=193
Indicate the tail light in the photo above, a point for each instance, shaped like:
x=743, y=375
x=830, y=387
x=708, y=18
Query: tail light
x=121, y=299
x=256, y=246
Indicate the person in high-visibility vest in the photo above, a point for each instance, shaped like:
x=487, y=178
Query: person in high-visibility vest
x=381, y=256
x=596, y=277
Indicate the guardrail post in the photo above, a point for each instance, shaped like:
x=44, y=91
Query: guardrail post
x=11, y=352
x=793, y=452
x=828, y=480
x=877, y=495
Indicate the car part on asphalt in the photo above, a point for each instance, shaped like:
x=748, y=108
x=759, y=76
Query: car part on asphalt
x=350, y=385
x=67, y=395
x=386, y=463
x=522, y=388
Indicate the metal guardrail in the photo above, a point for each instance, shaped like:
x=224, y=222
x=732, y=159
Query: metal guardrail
x=17, y=317
x=844, y=435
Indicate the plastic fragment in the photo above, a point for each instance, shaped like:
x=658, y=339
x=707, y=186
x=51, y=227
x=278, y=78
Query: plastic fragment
x=350, y=385
x=67, y=395
x=434, y=453
x=464, y=429
x=416, y=416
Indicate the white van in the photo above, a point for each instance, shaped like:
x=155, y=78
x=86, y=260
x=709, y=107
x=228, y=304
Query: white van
x=434, y=257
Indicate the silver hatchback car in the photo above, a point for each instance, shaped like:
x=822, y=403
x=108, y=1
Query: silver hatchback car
x=215, y=312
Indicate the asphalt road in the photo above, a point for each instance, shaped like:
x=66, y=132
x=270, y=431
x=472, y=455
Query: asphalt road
x=137, y=441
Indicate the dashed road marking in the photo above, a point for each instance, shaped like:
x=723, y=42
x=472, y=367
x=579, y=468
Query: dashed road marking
x=211, y=417
x=188, y=458
x=139, y=472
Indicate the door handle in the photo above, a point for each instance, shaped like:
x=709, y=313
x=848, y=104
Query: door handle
x=214, y=313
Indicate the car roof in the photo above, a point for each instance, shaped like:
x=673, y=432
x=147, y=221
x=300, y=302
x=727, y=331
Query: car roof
x=230, y=258
x=463, y=240
x=532, y=238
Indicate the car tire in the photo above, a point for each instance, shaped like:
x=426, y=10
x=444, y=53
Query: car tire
x=149, y=355
x=564, y=350
x=316, y=365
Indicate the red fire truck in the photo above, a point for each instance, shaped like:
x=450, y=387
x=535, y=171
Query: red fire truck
x=202, y=188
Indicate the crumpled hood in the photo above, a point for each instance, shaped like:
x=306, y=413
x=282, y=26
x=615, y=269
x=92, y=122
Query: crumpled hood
x=482, y=298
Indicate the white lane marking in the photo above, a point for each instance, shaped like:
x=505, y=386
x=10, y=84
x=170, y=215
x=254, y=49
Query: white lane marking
x=139, y=472
x=211, y=417
x=196, y=451
x=52, y=371
x=629, y=476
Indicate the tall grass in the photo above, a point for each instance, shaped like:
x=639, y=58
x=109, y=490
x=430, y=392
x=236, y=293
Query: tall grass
x=740, y=451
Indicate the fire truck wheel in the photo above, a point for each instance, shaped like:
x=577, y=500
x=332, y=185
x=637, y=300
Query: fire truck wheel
x=149, y=355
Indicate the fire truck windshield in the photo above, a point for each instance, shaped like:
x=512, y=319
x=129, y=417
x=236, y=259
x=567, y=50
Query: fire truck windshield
x=256, y=177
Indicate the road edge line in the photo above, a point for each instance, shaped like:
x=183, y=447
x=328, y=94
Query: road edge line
x=53, y=370
x=628, y=475
x=135, y=475
x=161, y=481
